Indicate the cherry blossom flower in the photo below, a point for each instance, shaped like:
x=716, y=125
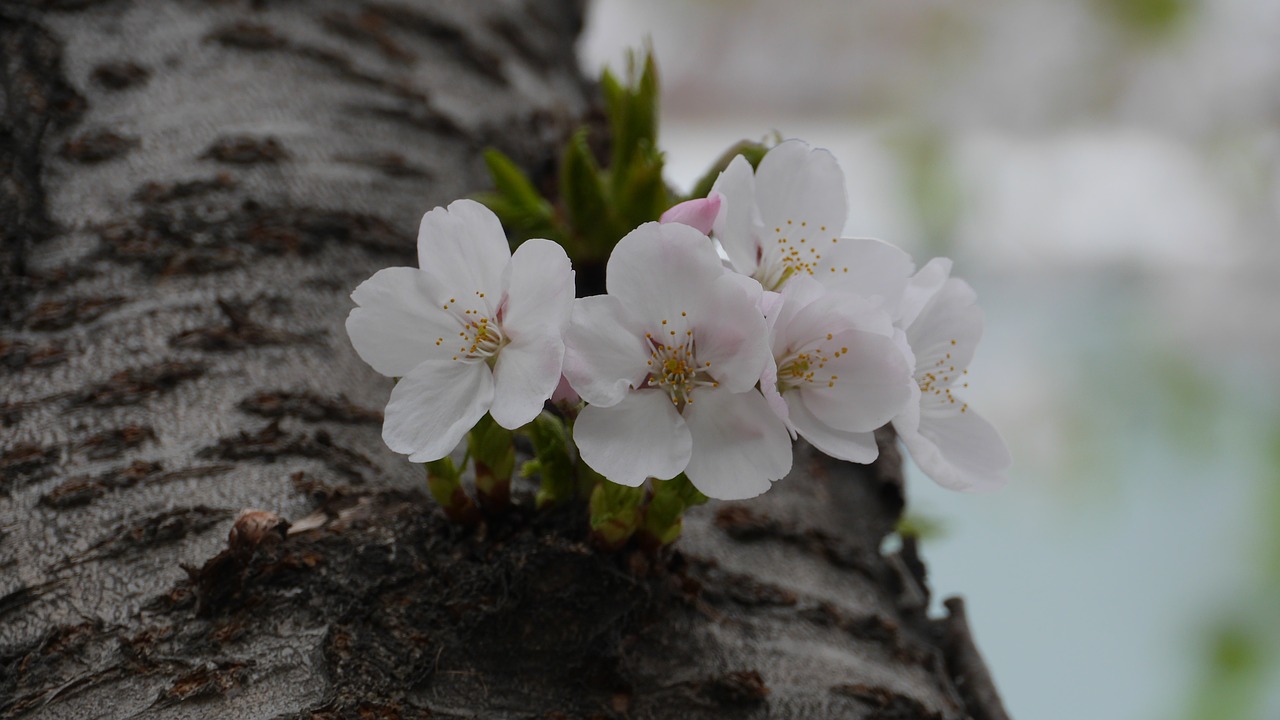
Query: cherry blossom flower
x=836, y=373
x=668, y=361
x=784, y=220
x=474, y=329
x=950, y=442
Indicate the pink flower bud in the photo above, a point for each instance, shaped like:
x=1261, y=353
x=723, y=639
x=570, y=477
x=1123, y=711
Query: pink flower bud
x=699, y=213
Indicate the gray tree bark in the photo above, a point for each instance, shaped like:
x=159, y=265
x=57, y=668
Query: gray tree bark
x=191, y=190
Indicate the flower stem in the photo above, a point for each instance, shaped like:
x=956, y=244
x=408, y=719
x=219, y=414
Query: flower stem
x=443, y=480
x=615, y=514
x=550, y=440
x=664, y=515
x=494, y=452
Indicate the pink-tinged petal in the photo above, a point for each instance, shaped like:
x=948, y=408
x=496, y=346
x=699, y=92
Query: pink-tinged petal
x=801, y=194
x=946, y=332
x=465, y=251
x=740, y=447
x=921, y=288
x=730, y=334
x=604, y=354
x=539, y=290
x=859, y=447
x=738, y=226
x=699, y=213
x=527, y=372
x=640, y=437
x=861, y=389
x=867, y=267
x=398, y=323
x=660, y=271
x=908, y=421
x=960, y=451
x=434, y=406
x=565, y=394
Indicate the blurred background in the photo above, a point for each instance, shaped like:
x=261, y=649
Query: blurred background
x=1106, y=174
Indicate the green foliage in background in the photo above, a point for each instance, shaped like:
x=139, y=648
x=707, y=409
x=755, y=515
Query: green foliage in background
x=1150, y=18
x=596, y=204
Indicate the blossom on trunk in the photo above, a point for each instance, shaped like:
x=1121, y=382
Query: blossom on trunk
x=473, y=329
x=785, y=218
x=668, y=362
x=951, y=443
x=836, y=373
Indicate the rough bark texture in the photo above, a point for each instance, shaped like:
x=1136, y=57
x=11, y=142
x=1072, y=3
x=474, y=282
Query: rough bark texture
x=190, y=191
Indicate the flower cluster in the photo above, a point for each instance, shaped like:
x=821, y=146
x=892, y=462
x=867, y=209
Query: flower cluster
x=736, y=323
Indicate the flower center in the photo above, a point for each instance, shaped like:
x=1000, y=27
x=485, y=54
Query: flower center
x=805, y=367
x=480, y=337
x=674, y=367
x=795, y=248
x=936, y=382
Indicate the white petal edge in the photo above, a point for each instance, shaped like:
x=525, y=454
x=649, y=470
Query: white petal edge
x=539, y=290
x=947, y=331
x=738, y=223
x=873, y=386
x=525, y=376
x=740, y=447
x=960, y=451
x=398, y=321
x=731, y=333
x=434, y=406
x=796, y=184
x=921, y=288
x=859, y=447
x=867, y=267
x=660, y=271
x=605, y=353
x=640, y=437
x=465, y=250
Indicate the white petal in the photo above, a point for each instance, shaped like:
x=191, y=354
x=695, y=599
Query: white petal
x=769, y=388
x=640, y=437
x=539, y=290
x=960, y=451
x=921, y=288
x=867, y=267
x=525, y=376
x=859, y=447
x=398, y=321
x=434, y=406
x=604, y=353
x=737, y=226
x=739, y=445
x=660, y=271
x=731, y=335
x=831, y=312
x=465, y=251
x=868, y=385
x=800, y=192
x=947, y=331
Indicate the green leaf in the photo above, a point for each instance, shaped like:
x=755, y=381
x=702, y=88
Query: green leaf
x=644, y=195
x=516, y=202
x=550, y=441
x=664, y=515
x=585, y=203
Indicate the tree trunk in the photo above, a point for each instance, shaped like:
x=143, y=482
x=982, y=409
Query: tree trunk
x=191, y=190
